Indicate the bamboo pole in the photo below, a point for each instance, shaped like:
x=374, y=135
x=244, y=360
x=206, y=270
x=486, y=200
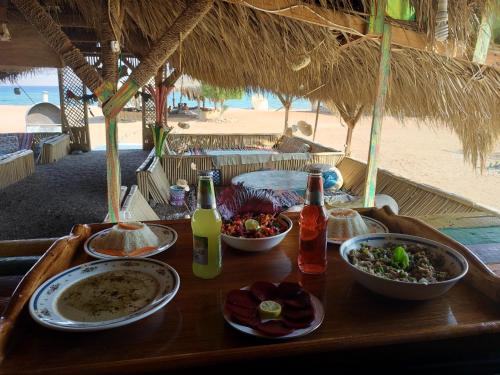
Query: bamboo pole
x=110, y=74
x=158, y=54
x=316, y=120
x=378, y=109
x=483, y=38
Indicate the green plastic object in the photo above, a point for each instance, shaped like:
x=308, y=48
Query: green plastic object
x=400, y=10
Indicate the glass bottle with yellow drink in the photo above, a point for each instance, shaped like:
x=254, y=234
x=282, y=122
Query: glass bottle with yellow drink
x=206, y=225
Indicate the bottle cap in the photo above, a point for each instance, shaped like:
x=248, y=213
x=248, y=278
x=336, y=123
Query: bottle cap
x=205, y=173
x=315, y=171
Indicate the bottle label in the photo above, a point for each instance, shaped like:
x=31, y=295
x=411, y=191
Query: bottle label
x=200, y=250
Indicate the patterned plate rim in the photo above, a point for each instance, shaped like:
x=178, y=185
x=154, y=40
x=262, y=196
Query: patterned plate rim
x=93, y=253
x=107, y=324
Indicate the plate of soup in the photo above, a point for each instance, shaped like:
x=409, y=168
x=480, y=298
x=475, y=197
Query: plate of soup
x=104, y=294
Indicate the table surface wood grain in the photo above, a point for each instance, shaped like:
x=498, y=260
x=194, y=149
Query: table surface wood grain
x=191, y=329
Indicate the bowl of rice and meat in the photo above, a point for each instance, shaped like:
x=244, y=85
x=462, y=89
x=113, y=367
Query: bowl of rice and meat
x=402, y=266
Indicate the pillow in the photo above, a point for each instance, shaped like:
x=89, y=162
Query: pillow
x=8, y=144
x=332, y=178
x=293, y=145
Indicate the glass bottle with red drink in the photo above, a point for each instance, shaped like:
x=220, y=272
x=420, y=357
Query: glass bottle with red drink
x=313, y=225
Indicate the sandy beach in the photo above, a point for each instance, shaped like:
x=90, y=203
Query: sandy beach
x=425, y=155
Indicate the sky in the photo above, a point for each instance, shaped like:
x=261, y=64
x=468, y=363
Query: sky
x=43, y=77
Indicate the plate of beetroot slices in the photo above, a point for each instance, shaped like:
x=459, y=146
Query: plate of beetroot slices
x=301, y=312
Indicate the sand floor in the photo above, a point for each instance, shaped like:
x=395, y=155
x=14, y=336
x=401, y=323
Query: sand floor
x=59, y=195
x=426, y=155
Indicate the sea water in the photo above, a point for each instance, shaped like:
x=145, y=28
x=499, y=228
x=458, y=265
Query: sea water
x=33, y=94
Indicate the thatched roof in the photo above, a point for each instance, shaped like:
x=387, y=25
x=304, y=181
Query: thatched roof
x=189, y=87
x=236, y=46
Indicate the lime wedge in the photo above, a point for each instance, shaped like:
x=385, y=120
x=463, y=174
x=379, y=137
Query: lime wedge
x=269, y=310
x=252, y=225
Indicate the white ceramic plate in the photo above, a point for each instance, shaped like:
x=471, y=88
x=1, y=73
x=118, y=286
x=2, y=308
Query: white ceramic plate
x=166, y=235
x=319, y=314
x=453, y=262
x=45, y=304
x=374, y=226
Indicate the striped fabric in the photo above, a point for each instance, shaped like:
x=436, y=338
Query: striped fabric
x=25, y=141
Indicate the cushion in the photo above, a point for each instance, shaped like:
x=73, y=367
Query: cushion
x=8, y=144
x=332, y=178
x=293, y=145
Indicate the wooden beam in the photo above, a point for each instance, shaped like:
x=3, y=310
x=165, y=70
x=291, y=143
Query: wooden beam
x=27, y=49
x=63, y=20
x=353, y=24
x=60, y=43
x=378, y=109
x=158, y=54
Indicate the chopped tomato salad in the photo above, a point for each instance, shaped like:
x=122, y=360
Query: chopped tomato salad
x=269, y=225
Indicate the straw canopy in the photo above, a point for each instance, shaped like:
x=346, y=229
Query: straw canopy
x=237, y=46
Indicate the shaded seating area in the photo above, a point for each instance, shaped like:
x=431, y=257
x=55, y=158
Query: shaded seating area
x=15, y=166
x=54, y=148
x=228, y=155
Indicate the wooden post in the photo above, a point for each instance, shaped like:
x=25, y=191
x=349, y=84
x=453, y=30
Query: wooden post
x=64, y=119
x=483, y=38
x=316, y=120
x=378, y=109
x=350, y=129
x=287, y=102
x=351, y=116
x=287, y=111
x=110, y=74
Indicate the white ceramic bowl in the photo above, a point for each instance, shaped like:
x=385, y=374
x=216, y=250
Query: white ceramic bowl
x=257, y=244
x=454, y=263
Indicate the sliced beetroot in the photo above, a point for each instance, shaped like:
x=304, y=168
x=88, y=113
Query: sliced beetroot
x=263, y=290
x=302, y=315
x=242, y=311
x=300, y=301
x=274, y=328
x=288, y=290
x=252, y=322
x=296, y=324
x=242, y=298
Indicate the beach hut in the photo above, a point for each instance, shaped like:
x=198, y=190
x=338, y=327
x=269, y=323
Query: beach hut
x=44, y=118
x=432, y=62
x=331, y=53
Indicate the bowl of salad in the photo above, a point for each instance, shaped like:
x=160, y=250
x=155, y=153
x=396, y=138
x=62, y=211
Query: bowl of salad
x=255, y=232
x=402, y=266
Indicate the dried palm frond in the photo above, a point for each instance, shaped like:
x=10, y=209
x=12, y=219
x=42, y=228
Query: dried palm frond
x=238, y=199
x=235, y=46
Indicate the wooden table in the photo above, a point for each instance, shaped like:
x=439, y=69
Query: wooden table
x=191, y=331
